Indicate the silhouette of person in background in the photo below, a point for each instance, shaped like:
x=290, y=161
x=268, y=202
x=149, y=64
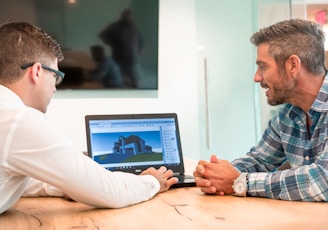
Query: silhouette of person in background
x=126, y=44
x=107, y=72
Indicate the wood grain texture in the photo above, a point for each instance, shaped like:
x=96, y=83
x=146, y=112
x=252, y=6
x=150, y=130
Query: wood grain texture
x=181, y=208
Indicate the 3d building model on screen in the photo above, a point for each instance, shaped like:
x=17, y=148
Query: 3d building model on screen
x=131, y=148
x=131, y=145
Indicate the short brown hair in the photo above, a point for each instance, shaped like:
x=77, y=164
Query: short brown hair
x=22, y=43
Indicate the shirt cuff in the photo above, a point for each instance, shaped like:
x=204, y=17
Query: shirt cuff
x=257, y=184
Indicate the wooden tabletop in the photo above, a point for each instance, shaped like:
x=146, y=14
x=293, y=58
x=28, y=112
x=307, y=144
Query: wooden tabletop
x=180, y=208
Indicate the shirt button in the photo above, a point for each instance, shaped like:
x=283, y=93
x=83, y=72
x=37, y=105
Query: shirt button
x=307, y=158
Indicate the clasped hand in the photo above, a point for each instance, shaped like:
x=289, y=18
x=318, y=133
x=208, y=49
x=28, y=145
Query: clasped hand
x=216, y=176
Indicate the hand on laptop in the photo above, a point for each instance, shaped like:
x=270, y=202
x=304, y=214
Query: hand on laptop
x=163, y=176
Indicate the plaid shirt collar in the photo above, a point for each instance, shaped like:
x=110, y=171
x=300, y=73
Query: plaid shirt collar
x=320, y=104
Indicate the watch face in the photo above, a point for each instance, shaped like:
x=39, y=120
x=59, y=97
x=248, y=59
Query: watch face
x=239, y=187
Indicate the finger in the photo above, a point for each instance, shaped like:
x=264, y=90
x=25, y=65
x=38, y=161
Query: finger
x=201, y=182
x=148, y=171
x=195, y=173
x=162, y=169
x=214, y=159
x=208, y=190
x=200, y=169
x=168, y=173
x=172, y=181
x=221, y=193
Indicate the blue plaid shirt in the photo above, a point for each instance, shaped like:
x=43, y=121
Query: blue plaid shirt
x=287, y=140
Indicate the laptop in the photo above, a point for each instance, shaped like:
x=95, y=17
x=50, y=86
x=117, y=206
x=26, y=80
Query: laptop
x=134, y=142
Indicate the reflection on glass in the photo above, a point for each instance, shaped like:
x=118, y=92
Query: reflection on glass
x=121, y=68
x=106, y=44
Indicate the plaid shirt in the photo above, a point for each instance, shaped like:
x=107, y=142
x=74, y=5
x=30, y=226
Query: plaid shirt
x=287, y=139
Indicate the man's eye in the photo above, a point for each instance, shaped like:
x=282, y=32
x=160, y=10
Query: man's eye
x=261, y=67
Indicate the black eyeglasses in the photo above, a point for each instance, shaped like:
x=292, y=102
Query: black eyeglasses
x=58, y=74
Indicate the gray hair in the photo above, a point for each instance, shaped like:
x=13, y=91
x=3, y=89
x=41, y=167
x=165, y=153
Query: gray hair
x=295, y=36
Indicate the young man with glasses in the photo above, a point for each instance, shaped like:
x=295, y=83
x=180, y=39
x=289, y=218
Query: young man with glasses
x=35, y=158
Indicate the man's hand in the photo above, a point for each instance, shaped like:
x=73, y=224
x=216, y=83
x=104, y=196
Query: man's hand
x=216, y=176
x=163, y=176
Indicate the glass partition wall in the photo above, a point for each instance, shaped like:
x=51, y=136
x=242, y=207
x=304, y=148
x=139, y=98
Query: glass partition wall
x=268, y=12
x=231, y=107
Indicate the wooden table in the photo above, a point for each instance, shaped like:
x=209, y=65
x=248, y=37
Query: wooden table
x=181, y=208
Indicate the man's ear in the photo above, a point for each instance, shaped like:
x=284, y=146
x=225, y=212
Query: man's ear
x=293, y=65
x=35, y=73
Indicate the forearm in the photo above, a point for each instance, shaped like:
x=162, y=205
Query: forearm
x=255, y=162
x=85, y=181
x=306, y=183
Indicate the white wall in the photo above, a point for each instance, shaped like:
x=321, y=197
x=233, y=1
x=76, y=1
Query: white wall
x=177, y=92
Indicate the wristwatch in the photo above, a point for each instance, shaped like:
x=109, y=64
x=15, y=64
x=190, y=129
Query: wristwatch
x=240, y=185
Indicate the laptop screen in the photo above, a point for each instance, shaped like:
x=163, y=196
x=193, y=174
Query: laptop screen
x=134, y=142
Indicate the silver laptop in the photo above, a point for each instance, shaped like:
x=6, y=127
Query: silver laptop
x=134, y=142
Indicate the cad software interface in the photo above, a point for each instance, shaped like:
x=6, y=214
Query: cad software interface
x=127, y=143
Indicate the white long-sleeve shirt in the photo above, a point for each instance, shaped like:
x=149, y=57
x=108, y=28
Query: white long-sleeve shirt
x=30, y=147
